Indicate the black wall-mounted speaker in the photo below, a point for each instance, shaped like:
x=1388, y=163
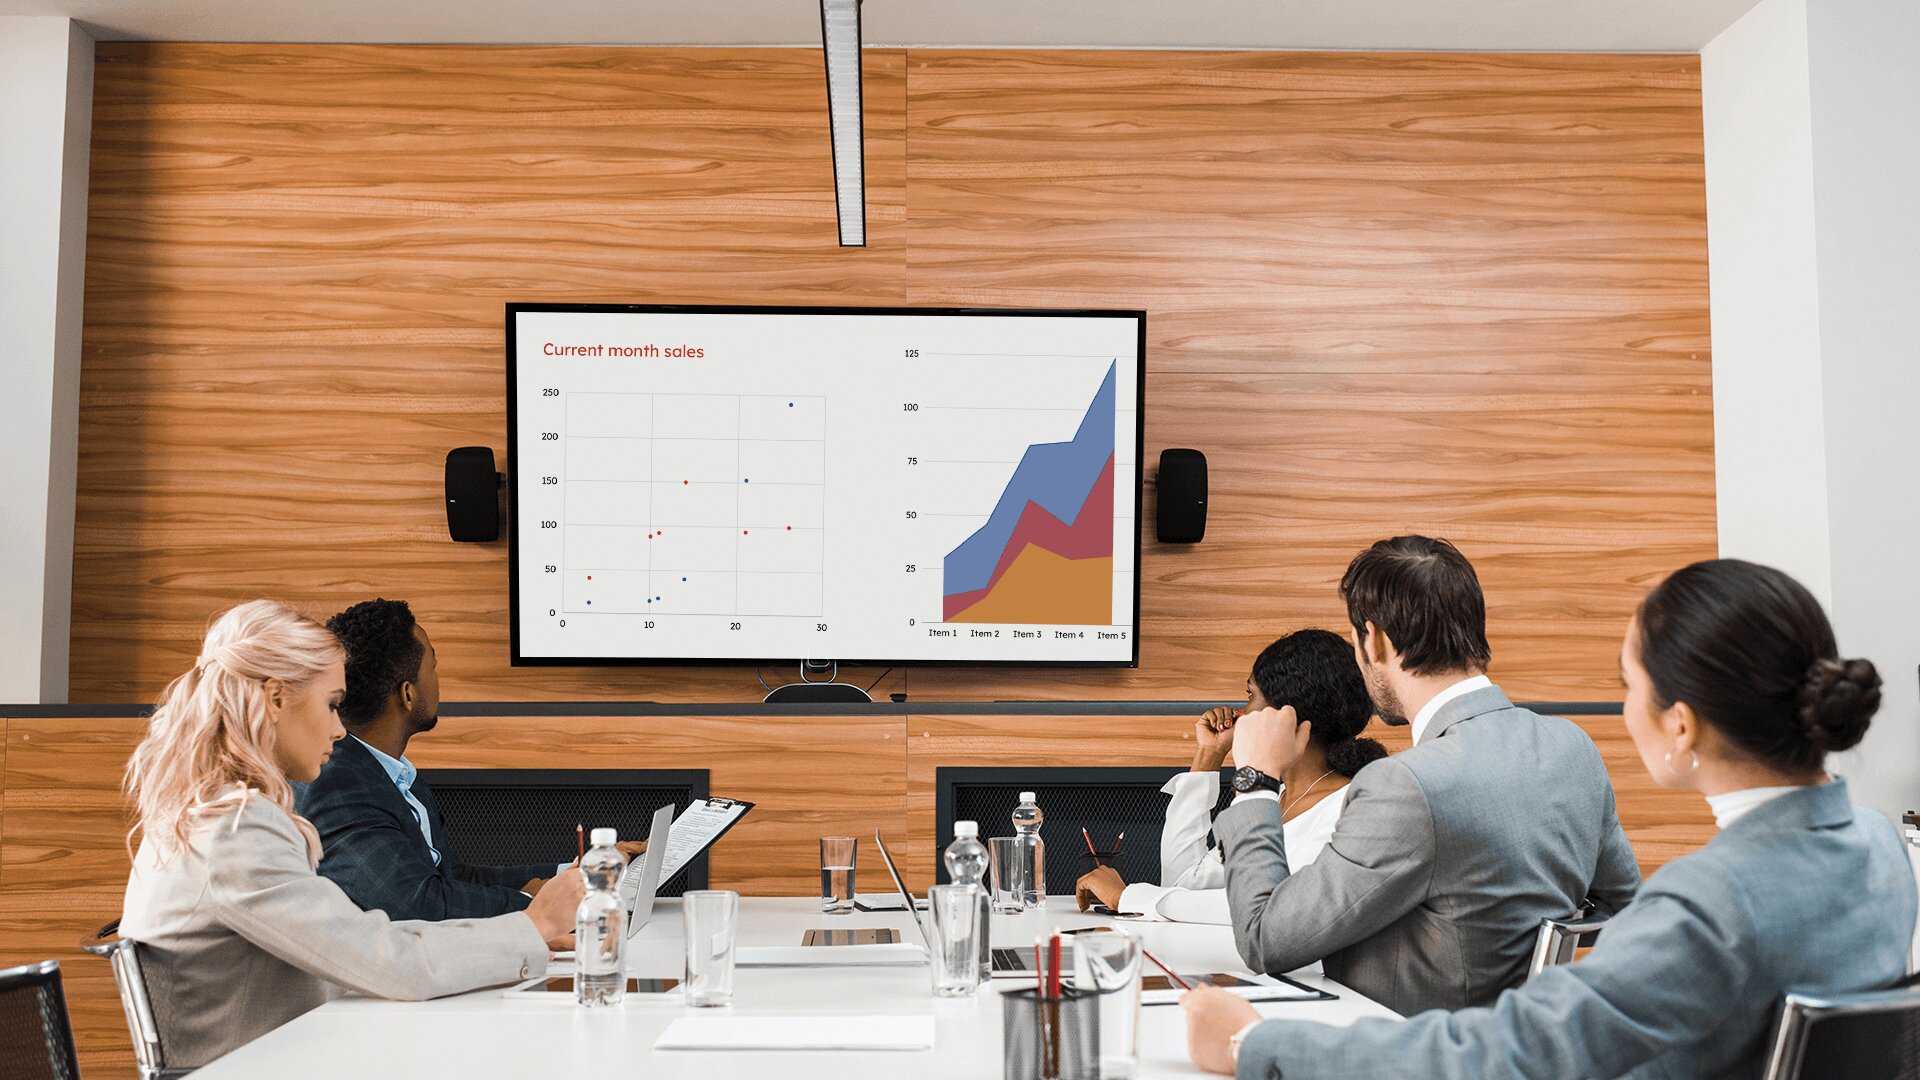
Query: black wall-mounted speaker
x=473, y=495
x=1180, y=509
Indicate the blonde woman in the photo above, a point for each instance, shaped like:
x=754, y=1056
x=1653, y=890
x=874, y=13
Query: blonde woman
x=239, y=934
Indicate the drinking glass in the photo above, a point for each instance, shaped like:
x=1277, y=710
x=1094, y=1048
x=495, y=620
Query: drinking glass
x=1107, y=964
x=955, y=911
x=838, y=857
x=711, y=916
x=1011, y=868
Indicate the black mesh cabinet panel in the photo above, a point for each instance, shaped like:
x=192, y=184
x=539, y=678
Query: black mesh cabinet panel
x=1104, y=801
x=506, y=817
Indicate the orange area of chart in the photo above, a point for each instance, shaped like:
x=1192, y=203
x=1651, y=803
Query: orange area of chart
x=1042, y=587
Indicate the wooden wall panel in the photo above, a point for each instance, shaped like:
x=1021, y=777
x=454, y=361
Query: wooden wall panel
x=1463, y=294
x=298, y=261
x=1456, y=294
x=63, y=866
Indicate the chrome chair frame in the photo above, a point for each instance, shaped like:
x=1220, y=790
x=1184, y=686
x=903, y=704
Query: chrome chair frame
x=1801, y=1013
x=1558, y=938
x=123, y=954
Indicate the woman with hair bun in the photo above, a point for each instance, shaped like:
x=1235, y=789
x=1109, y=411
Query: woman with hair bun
x=238, y=933
x=1734, y=689
x=1315, y=672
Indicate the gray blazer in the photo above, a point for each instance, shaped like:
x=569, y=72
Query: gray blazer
x=1804, y=894
x=238, y=935
x=1445, y=860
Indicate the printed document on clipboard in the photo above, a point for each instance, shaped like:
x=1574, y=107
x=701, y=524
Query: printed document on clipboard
x=695, y=830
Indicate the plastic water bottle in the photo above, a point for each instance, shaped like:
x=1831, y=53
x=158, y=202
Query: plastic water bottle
x=966, y=861
x=600, y=926
x=1026, y=825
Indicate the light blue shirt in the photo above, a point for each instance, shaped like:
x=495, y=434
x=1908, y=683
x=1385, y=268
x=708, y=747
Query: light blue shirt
x=402, y=773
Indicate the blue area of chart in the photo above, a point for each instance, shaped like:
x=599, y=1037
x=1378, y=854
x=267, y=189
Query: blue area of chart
x=1053, y=476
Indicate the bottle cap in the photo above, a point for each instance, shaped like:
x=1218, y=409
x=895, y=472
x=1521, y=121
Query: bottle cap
x=604, y=837
x=1027, y=796
x=965, y=828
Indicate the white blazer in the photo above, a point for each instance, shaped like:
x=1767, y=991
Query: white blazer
x=1193, y=879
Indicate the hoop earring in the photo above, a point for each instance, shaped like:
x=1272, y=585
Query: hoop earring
x=1693, y=763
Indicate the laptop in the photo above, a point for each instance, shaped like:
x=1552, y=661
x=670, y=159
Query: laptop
x=637, y=889
x=1007, y=963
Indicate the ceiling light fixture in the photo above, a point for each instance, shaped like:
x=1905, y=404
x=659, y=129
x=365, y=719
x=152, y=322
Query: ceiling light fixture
x=840, y=36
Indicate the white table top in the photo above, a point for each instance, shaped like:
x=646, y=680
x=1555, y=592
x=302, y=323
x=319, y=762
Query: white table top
x=482, y=1034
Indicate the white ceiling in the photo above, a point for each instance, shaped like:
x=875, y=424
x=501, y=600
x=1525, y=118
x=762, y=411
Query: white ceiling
x=1485, y=25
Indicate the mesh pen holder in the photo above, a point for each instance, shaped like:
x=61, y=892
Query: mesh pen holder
x=1050, y=1038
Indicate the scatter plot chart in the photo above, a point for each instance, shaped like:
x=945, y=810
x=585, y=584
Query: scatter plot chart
x=694, y=504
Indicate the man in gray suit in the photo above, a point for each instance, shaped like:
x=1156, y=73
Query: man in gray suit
x=1447, y=855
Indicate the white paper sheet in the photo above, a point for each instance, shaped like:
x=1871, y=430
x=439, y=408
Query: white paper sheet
x=901, y=954
x=798, y=1033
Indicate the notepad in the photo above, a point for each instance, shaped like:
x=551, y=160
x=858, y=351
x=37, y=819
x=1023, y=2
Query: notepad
x=900, y=954
x=798, y=1033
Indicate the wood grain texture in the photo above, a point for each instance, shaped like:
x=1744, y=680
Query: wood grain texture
x=1455, y=294
x=1461, y=294
x=300, y=257
x=63, y=866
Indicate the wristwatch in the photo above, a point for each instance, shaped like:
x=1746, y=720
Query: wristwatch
x=1247, y=778
x=1233, y=1044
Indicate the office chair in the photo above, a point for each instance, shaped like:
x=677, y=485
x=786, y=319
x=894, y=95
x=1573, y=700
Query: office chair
x=1849, y=1036
x=124, y=955
x=36, y=1041
x=1558, y=938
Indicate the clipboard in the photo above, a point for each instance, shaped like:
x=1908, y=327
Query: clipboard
x=706, y=821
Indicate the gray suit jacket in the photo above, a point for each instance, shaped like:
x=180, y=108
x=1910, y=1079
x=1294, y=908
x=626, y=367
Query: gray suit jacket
x=1804, y=894
x=1445, y=860
x=239, y=936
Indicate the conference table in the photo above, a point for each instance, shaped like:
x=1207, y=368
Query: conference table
x=484, y=1034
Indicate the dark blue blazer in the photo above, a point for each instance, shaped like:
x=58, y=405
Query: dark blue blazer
x=371, y=846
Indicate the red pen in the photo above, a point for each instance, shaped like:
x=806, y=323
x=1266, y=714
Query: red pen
x=1184, y=985
x=1089, y=840
x=1053, y=967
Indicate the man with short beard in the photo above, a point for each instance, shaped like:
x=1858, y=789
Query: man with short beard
x=381, y=835
x=1447, y=855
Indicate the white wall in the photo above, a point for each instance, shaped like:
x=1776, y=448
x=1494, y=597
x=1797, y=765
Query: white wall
x=1769, y=434
x=1812, y=123
x=46, y=111
x=1864, y=62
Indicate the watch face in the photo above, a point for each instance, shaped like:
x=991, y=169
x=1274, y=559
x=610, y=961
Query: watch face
x=1245, y=777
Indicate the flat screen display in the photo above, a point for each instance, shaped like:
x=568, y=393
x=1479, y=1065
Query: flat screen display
x=754, y=484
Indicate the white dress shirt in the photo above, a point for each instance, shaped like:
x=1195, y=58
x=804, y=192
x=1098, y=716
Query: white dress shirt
x=1430, y=709
x=1193, y=879
x=1730, y=806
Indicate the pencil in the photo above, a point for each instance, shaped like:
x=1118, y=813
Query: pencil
x=580, y=840
x=1089, y=840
